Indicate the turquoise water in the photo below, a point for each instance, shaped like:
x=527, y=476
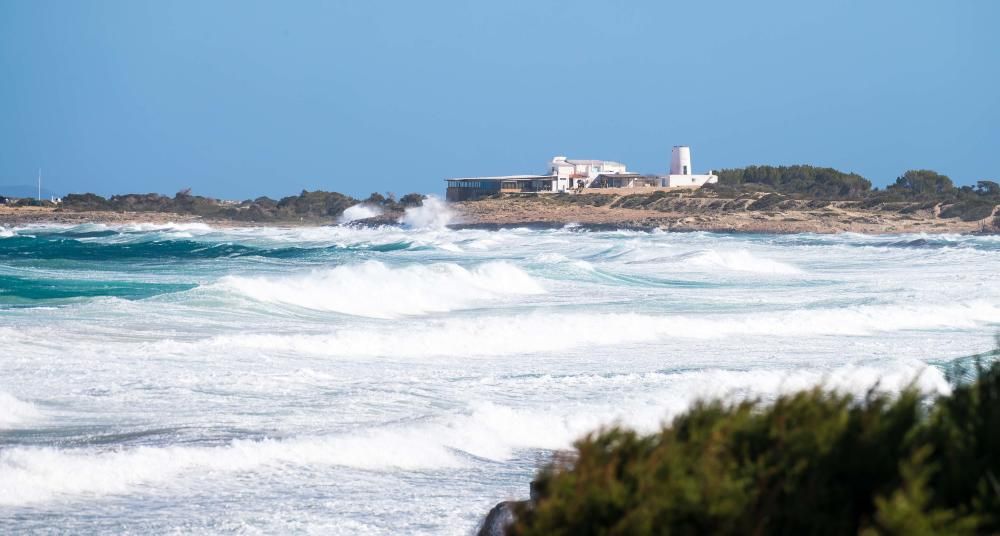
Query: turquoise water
x=158, y=378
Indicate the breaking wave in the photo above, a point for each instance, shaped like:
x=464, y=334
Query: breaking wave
x=359, y=212
x=15, y=413
x=375, y=290
x=740, y=261
x=483, y=430
x=433, y=214
x=491, y=335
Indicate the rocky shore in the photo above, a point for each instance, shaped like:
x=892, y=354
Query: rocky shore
x=681, y=212
x=670, y=212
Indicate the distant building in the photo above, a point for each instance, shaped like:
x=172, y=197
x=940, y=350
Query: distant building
x=564, y=174
x=626, y=180
x=681, y=173
x=581, y=173
x=479, y=187
x=567, y=174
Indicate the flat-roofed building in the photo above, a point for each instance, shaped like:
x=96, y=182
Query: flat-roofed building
x=625, y=180
x=479, y=187
x=581, y=173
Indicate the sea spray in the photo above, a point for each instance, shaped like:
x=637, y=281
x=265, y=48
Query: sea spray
x=359, y=212
x=432, y=214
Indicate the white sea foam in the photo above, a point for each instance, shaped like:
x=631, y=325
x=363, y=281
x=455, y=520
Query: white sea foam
x=6, y=233
x=483, y=429
x=375, y=290
x=489, y=335
x=631, y=328
x=740, y=261
x=167, y=227
x=433, y=214
x=15, y=413
x=30, y=474
x=360, y=211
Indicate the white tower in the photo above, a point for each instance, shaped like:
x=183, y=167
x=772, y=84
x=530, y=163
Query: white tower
x=680, y=160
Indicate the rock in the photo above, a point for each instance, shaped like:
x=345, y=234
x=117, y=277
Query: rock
x=502, y=515
x=499, y=518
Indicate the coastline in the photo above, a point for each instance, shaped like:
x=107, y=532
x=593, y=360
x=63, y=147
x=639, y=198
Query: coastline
x=594, y=212
x=711, y=215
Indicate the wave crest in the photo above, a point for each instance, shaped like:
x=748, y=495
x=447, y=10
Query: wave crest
x=15, y=413
x=432, y=214
x=359, y=212
x=375, y=290
x=500, y=335
x=481, y=429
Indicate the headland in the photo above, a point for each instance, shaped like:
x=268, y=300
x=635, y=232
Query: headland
x=757, y=199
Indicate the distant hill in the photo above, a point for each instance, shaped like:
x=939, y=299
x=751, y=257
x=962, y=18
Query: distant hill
x=24, y=191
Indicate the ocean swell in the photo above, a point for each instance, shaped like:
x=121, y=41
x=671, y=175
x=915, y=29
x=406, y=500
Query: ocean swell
x=481, y=430
x=375, y=290
x=553, y=332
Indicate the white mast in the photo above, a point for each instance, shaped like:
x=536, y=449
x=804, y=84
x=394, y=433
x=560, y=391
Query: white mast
x=39, y=184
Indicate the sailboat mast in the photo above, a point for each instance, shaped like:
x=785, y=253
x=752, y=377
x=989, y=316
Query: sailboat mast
x=39, y=184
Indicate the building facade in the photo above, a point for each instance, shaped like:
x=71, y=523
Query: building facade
x=681, y=174
x=479, y=187
x=581, y=173
x=567, y=174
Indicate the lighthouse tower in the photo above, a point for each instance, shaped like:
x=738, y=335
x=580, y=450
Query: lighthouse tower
x=680, y=160
x=681, y=172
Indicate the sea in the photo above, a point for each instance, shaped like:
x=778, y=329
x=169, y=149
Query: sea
x=344, y=379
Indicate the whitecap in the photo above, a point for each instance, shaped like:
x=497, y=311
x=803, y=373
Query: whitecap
x=518, y=335
x=432, y=214
x=375, y=290
x=360, y=211
x=15, y=413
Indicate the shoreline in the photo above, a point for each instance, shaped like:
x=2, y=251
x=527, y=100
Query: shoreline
x=674, y=215
x=687, y=213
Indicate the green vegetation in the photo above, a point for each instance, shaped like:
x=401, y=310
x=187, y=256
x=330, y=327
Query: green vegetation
x=922, y=183
x=816, y=462
x=641, y=200
x=914, y=190
x=591, y=199
x=768, y=202
x=307, y=206
x=826, y=183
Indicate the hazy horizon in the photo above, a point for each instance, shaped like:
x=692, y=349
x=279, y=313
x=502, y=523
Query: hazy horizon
x=241, y=99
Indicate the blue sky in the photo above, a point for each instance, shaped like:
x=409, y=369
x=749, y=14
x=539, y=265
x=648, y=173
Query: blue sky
x=242, y=98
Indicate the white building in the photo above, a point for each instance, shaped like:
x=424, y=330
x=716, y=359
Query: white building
x=580, y=173
x=681, y=171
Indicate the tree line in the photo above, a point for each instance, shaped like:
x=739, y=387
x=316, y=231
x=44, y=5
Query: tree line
x=921, y=186
x=315, y=205
x=829, y=183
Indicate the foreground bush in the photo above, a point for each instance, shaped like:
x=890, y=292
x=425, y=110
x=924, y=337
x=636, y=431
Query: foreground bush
x=815, y=462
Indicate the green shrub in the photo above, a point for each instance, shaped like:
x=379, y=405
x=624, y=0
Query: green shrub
x=815, y=462
x=84, y=202
x=971, y=210
x=826, y=183
x=640, y=201
x=768, y=202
